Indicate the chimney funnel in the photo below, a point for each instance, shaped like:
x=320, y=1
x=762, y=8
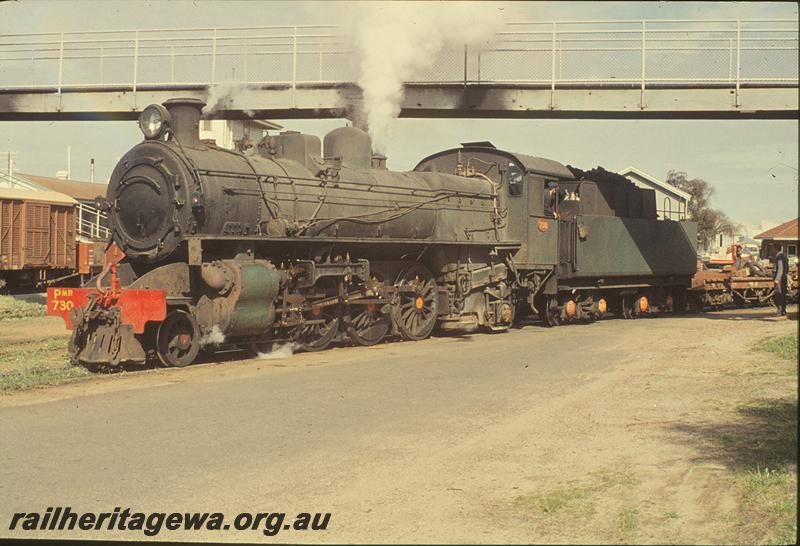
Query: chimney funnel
x=185, y=114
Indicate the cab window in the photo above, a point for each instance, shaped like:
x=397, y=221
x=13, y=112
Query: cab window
x=550, y=199
x=514, y=176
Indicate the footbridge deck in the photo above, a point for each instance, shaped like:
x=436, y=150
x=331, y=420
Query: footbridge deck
x=589, y=69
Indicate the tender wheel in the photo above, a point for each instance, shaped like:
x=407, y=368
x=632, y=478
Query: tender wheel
x=178, y=339
x=679, y=301
x=369, y=325
x=549, y=313
x=628, y=302
x=695, y=303
x=322, y=324
x=415, y=314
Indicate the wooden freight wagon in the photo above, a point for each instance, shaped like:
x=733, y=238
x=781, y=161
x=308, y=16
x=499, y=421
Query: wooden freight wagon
x=37, y=235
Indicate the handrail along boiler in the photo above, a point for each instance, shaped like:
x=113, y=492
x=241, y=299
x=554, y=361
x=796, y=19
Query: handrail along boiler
x=310, y=242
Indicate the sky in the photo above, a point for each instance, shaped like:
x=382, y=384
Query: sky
x=738, y=157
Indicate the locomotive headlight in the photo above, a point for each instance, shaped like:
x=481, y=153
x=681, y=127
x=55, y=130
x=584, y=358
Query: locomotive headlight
x=154, y=121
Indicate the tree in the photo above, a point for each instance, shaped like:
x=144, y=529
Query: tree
x=710, y=222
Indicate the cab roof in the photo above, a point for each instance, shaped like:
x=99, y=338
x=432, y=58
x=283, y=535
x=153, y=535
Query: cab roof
x=531, y=164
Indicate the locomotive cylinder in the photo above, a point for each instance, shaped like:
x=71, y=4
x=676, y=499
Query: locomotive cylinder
x=241, y=299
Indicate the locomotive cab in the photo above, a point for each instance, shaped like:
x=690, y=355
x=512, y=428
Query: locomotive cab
x=521, y=180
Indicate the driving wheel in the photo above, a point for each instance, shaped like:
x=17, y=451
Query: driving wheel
x=320, y=327
x=369, y=325
x=415, y=313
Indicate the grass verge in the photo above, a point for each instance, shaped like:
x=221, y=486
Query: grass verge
x=573, y=498
x=579, y=501
x=783, y=346
x=768, y=512
x=12, y=308
x=39, y=376
x=29, y=363
x=628, y=521
x=761, y=445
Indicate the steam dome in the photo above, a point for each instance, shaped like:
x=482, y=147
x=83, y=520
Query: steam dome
x=353, y=145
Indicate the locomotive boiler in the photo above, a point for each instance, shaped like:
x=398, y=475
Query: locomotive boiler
x=163, y=191
x=308, y=241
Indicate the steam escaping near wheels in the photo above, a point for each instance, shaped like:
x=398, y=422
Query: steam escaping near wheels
x=278, y=351
x=213, y=337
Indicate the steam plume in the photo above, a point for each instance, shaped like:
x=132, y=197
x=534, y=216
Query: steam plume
x=213, y=337
x=221, y=96
x=399, y=41
x=278, y=350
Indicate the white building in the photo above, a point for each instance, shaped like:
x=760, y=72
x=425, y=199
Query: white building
x=671, y=202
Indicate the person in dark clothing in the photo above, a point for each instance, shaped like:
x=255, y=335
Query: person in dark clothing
x=551, y=199
x=780, y=274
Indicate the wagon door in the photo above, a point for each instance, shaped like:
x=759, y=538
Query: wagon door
x=5, y=233
x=62, y=237
x=37, y=234
x=11, y=234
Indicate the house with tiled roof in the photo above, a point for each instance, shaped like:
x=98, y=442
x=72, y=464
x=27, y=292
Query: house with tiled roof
x=784, y=236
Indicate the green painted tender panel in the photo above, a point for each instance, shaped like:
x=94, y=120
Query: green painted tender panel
x=635, y=246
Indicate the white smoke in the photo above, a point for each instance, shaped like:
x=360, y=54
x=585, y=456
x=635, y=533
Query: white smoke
x=279, y=350
x=399, y=41
x=221, y=97
x=213, y=337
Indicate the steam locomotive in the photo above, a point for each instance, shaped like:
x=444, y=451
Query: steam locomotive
x=310, y=242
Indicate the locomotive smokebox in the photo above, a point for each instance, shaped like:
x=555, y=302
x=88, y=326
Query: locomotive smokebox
x=185, y=114
x=352, y=145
